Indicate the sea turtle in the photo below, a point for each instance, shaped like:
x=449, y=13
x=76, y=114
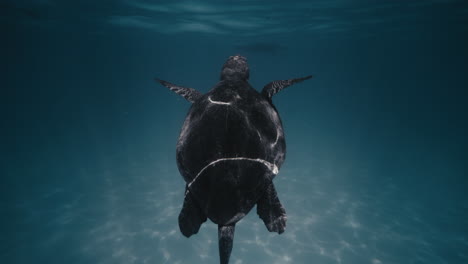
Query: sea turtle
x=230, y=148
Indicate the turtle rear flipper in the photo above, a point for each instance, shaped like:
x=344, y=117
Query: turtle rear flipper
x=191, y=216
x=271, y=211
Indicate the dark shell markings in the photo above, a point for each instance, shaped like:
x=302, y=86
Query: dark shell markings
x=230, y=148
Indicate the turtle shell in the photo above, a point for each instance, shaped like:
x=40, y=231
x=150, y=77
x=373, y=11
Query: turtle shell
x=230, y=147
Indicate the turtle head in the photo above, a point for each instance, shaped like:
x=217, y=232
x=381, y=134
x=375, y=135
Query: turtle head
x=235, y=68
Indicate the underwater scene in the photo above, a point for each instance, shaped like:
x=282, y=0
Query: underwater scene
x=375, y=168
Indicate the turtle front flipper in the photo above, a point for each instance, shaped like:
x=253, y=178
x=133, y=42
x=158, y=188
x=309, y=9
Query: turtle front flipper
x=189, y=94
x=271, y=211
x=191, y=216
x=275, y=86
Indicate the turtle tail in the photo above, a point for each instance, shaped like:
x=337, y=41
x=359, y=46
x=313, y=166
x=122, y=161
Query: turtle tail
x=225, y=237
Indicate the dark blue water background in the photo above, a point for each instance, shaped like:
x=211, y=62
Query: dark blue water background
x=376, y=169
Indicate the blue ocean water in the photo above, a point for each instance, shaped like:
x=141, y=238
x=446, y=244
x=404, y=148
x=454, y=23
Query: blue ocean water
x=376, y=166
